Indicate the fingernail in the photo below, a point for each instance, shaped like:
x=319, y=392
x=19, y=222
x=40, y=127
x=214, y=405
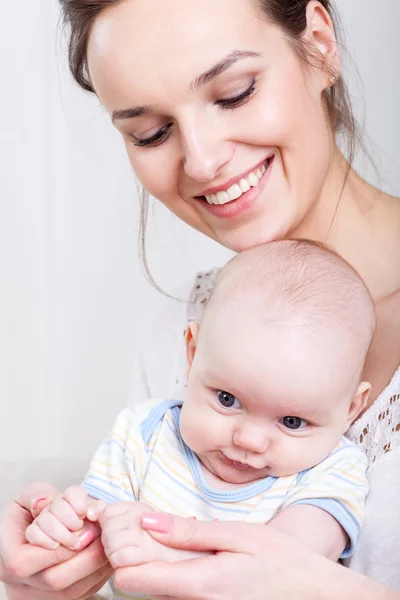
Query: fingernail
x=76, y=545
x=194, y=518
x=91, y=513
x=84, y=539
x=36, y=501
x=157, y=522
x=54, y=545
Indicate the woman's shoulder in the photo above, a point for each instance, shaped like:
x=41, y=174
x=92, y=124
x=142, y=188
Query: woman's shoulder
x=378, y=429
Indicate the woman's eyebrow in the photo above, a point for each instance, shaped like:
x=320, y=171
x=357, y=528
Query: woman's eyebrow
x=220, y=67
x=198, y=82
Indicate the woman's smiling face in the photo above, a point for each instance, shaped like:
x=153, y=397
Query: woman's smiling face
x=222, y=121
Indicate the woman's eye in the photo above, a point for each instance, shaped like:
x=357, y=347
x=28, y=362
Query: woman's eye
x=155, y=140
x=237, y=100
x=294, y=423
x=227, y=400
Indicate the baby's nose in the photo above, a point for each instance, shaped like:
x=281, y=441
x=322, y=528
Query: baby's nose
x=252, y=440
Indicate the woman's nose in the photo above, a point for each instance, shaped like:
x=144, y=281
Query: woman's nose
x=205, y=153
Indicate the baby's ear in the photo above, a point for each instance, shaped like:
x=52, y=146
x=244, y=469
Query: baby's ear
x=191, y=336
x=359, y=401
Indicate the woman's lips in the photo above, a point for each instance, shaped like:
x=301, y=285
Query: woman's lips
x=237, y=207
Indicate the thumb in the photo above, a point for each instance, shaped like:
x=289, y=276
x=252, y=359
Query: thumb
x=36, y=497
x=201, y=536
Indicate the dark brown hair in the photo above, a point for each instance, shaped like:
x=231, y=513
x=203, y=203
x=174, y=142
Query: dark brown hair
x=289, y=15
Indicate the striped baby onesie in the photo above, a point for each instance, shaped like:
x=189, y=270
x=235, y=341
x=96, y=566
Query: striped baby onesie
x=145, y=459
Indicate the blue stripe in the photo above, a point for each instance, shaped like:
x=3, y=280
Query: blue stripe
x=108, y=483
x=155, y=416
x=192, y=493
x=112, y=442
x=348, y=480
x=99, y=494
x=126, y=458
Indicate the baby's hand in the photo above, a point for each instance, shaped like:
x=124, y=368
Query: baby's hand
x=62, y=521
x=125, y=542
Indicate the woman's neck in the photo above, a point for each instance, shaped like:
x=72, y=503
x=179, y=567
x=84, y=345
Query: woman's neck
x=363, y=227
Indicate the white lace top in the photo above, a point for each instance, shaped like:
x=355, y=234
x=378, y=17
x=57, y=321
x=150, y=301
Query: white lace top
x=160, y=373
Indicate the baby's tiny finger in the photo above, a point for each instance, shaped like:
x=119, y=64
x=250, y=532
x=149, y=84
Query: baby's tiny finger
x=78, y=498
x=64, y=513
x=50, y=525
x=129, y=556
x=96, y=509
x=34, y=535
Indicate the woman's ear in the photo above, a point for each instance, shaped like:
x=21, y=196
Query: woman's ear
x=191, y=335
x=359, y=402
x=321, y=35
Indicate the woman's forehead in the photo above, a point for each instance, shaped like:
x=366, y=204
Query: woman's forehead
x=157, y=40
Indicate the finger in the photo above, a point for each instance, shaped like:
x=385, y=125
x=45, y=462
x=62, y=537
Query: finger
x=83, y=590
x=50, y=525
x=83, y=566
x=66, y=514
x=119, y=539
x=185, y=579
x=119, y=524
x=190, y=534
x=117, y=509
x=34, y=535
x=78, y=499
x=96, y=509
x=128, y=556
x=19, y=558
x=36, y=497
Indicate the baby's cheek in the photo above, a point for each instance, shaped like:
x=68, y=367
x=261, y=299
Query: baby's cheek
x=194, y=428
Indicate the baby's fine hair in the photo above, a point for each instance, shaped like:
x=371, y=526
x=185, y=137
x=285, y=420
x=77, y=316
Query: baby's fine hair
x=296, y=282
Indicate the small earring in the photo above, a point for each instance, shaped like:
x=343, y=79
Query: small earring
x=333, y=79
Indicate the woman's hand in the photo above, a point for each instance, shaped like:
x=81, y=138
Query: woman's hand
x=250, y=562
x=33, y=573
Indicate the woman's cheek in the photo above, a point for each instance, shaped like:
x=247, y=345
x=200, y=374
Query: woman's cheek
x=151, y=169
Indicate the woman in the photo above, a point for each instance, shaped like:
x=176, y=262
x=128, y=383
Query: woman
x=239, y=141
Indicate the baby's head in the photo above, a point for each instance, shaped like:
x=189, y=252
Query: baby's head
x=275, y=366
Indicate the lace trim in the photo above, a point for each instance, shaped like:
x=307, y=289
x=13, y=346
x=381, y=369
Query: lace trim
x=377, y=431
x=199, y=295
x=201, y=292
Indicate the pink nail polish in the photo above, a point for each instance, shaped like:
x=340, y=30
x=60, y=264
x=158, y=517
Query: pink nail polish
x=194, y=518
x=157, y=522
x=36, y=501
x=85, y=539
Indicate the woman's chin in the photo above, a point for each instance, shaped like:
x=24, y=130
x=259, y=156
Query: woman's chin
x=252, y=234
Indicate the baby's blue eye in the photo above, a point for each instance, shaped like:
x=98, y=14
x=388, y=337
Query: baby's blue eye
x=294, y=423
x=227, y=400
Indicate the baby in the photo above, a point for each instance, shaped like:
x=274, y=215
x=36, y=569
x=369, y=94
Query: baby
x=274, y=380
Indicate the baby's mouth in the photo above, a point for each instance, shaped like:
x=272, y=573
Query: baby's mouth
x=240, y=465
x=237, y=464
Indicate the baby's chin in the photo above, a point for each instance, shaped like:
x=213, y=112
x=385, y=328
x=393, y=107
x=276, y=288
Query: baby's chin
x=232, y=474
x=245, y=476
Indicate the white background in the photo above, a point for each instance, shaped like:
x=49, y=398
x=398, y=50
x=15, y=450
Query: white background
x=73, y=296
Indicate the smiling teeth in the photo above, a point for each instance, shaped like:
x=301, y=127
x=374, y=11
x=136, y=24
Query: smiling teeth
x=235, y=191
